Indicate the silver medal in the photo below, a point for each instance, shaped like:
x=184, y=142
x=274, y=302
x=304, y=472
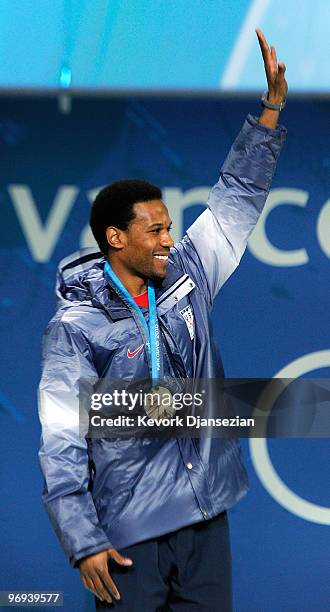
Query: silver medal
x=158, y=403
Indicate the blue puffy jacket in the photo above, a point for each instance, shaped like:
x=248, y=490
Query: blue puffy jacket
x=117, y=493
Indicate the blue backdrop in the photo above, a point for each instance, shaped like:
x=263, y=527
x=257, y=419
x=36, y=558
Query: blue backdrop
x=272, y=314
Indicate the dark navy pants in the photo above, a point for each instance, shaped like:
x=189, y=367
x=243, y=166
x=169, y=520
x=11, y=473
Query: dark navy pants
x=188, y=570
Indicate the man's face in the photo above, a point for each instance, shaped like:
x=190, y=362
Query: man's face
x=147, y=241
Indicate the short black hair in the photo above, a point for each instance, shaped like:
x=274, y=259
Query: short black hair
x=113, y=205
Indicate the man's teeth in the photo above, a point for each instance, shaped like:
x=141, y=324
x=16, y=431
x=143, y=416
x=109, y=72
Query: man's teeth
x=163, y=257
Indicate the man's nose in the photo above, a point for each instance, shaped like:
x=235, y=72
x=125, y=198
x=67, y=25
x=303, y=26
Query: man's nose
x=166, y=240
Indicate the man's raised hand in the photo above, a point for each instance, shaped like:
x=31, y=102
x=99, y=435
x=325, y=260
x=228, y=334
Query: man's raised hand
x=275, y=72
x=95, y=575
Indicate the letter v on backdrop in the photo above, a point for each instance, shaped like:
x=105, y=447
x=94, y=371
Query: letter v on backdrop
x=42, y=239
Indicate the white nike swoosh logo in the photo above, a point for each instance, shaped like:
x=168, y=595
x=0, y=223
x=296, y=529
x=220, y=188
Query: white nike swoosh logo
x=131, y=354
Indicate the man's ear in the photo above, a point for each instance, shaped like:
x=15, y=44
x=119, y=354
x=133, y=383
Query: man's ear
x=116, y=238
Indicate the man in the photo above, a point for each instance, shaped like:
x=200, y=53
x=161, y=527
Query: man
x=161, y=502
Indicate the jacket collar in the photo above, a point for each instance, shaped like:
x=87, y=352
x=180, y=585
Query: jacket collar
x=104, y=296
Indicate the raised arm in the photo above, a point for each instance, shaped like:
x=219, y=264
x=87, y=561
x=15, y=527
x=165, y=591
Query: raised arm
x=217, y=240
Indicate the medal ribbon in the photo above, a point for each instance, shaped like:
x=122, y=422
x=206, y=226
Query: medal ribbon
x=150, y=333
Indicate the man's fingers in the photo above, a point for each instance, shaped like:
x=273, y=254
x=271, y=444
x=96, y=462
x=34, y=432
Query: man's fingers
x=100, y=588
x=89, y=585
x=261, y=37
x=281, y=67
x=109, y=583
x=273, y=54
x=95, y=575
x=116, y=556
x=263, y=45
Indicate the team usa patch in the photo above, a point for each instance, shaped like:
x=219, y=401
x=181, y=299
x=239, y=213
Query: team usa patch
x=188, y=315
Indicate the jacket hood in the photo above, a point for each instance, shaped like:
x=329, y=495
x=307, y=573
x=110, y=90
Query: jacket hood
x=79, y=277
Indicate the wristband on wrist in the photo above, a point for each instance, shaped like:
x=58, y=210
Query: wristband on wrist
x=277, y=107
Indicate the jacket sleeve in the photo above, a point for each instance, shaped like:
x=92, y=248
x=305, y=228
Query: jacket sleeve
x=63, y=453
x=219, y=236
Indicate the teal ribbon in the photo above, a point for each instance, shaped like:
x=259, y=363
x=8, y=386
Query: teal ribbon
x=152, y=331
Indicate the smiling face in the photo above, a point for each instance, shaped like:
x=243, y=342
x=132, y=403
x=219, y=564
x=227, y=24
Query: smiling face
x=142, y=251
